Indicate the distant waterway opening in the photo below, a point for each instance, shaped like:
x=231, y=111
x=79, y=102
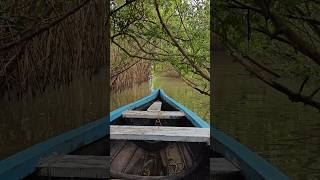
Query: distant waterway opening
x=173, y=86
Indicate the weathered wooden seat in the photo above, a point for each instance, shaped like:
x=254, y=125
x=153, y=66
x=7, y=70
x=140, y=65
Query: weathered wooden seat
x=80, y=166
x=156, y=106
x=160, y=133
x=153, y=114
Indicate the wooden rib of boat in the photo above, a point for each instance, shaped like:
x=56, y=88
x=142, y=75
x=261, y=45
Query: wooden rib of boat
x=152, y=138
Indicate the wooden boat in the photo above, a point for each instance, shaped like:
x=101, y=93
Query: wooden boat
x=152, y=138
x=155, y=140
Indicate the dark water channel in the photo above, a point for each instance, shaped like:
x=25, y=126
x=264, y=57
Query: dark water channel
x=32, y=120
x=285, y=133
x=174, y=87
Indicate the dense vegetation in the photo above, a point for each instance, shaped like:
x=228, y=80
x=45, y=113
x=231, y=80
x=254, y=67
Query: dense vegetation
x=275, y=40
x=48, y=43
x=171, y=33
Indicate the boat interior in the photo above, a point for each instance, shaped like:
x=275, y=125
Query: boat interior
x=138, y=159
x=154, y=159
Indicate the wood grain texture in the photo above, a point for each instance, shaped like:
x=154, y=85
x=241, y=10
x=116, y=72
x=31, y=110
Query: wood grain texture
x=156, y=106
x=160, y=133
x=153, y=114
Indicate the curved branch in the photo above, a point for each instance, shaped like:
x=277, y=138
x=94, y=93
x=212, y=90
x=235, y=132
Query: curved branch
x=194, y=86
x=135, y=56
x=122, y=6
x=293, y=96
x=44, y=28
x=184, y=27
x=125, y=69
x=182, y=51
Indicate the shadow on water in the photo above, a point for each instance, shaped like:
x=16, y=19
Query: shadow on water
x=32, y=120
x=285, y=133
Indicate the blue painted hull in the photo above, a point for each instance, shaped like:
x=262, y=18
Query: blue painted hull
x=24, y=163
x=252, y=166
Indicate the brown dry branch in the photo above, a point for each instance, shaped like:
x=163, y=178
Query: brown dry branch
x=57, y=48
x=127, y=71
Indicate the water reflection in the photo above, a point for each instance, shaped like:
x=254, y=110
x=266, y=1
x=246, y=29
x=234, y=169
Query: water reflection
x=129, y=95
x=185, y=95
x=174, y=87
x=33, y=120
x=286, y=134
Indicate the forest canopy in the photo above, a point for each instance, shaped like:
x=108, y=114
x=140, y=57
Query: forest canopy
x=174, y=33
x=275, y=40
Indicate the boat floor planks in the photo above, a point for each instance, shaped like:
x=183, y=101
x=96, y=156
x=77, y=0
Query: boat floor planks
x=79, y=166
x=160, y=133
x=175, y=160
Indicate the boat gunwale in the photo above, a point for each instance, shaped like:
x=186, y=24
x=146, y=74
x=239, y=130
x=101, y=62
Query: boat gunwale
x=24, y=163
x=190, y=115
x=115, y=114
x=252, y=166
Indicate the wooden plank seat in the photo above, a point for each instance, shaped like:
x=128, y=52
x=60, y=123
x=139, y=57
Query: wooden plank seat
x=153, y=114
x=79, y=166
x=156, y=106
x=160, y=133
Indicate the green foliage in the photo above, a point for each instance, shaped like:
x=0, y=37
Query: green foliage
x=188, y=23
x=239, y=24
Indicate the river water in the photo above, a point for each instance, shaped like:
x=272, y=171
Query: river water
x=284, y=133
x=32, y=120
x=174, y=87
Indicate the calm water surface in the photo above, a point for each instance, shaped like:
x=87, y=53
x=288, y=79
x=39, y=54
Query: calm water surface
x=32, y=120
x=285, y=133
x=174, y=87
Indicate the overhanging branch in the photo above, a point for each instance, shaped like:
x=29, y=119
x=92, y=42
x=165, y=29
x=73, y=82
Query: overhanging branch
x=182, y=51
x=293, y=96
